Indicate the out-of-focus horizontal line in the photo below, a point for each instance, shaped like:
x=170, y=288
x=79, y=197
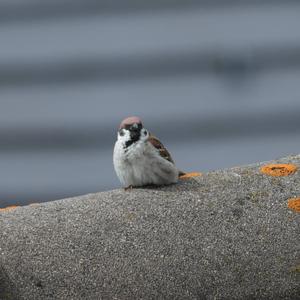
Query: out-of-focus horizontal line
x=36, y=10
x=79, y=138
x=26, y=198
x=144, y=67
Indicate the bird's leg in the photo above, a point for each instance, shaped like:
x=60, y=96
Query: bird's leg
x=130, y=187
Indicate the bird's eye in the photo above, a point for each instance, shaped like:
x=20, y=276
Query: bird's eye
x=145, y=132
x=121, y=132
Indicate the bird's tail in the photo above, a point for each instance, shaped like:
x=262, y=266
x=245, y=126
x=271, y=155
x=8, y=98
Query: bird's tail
x=181, y=173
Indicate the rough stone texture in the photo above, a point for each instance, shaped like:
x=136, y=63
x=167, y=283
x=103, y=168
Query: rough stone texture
x=225, y=235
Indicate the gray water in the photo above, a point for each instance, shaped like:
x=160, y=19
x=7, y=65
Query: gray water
x=219, y=85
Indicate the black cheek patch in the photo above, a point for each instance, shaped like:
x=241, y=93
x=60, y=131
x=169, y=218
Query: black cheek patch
x=121, y=132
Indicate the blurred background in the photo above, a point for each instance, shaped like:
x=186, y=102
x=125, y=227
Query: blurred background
x=218, y=81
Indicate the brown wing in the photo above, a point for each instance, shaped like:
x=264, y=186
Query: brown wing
x=161, y=148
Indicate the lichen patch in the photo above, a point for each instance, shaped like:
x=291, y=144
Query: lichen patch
x=8, y=208
x=294, y=204
x=190, y=175
x=279, y=169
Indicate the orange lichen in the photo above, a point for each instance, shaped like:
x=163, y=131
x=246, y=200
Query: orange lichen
x=294, y=203
x=190, y=175
x=8, y=208
x=279, y=169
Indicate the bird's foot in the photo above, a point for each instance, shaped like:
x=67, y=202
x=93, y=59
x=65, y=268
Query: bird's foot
x=128, y=188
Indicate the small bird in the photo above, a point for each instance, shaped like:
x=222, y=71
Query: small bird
x=140, y=159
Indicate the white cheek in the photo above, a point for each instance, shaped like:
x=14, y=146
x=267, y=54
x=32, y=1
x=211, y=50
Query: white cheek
x=124, y=138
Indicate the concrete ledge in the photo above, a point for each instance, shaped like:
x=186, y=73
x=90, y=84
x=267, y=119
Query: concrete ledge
x=228, y=234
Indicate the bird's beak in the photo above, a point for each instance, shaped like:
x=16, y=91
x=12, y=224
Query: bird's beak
x=134, y=134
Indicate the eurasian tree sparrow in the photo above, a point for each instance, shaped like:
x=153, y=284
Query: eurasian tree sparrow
x=140, y=158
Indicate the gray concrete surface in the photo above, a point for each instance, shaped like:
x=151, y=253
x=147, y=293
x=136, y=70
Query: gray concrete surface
x=225, y=235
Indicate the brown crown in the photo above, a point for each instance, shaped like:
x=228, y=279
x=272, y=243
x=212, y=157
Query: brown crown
x=129, y=121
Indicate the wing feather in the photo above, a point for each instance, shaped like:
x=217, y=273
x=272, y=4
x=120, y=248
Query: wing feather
x=161, y=148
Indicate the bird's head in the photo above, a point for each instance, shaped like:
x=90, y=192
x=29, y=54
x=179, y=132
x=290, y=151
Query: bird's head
x=131, y=130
